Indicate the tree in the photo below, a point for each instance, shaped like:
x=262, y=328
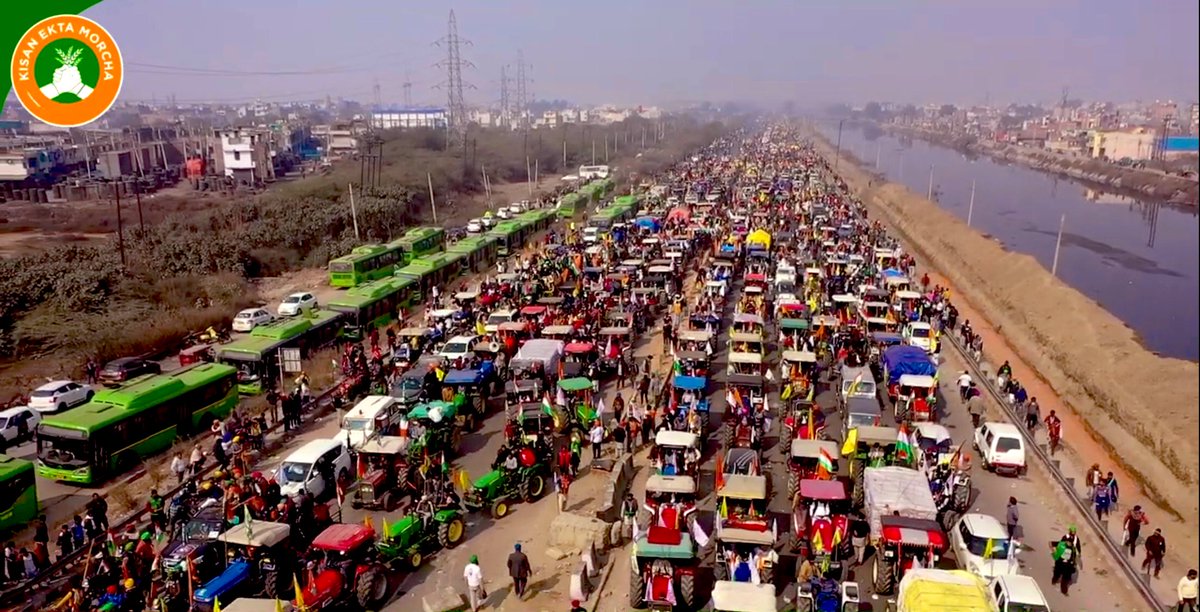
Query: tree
x=873, y=110
x=946, y=110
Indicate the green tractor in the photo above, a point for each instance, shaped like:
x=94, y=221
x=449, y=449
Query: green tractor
x=499, y=488
x=422, y=531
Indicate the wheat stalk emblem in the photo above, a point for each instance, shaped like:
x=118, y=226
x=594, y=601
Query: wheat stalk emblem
x=70, y=57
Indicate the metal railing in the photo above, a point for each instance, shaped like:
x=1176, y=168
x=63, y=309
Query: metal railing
x=1114, y=549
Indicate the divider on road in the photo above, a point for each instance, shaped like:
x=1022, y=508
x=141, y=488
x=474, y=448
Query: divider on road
x=1114, y=548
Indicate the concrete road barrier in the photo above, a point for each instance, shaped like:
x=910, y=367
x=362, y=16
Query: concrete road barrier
x=614, y=492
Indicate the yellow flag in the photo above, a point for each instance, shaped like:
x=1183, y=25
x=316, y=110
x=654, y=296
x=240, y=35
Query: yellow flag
x=724, y=508
x=299, y=595
x=367, y=522
x=278, y=605
x=385, y=527
x=851, y=443
x=987, y=548
x=787, y=392
x=217, y=600
x=480, y=329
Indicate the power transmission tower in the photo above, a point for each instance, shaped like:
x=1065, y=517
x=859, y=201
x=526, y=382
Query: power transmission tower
x=378, y=96
x=407, y=90
x=522, y=101
x=505, y=105
x=454, y=63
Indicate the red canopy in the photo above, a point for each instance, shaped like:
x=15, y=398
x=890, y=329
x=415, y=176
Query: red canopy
x=682, y=213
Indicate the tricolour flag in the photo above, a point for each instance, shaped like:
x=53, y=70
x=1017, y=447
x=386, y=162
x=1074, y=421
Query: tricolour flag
x=904, y=451
x=855, y=384
x=824, y=464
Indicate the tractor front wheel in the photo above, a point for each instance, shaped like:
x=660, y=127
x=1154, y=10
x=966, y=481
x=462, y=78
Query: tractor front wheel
x=499, y=509
x=687, y=590
x=450, y=533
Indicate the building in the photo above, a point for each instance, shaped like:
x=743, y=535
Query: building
x=1137, y=143
x=245, y=154
x=340, y=139
x=1194, y=123
x=408, y=118
x=35, y=164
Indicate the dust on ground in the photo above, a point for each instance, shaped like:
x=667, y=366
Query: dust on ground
x=1140, y=406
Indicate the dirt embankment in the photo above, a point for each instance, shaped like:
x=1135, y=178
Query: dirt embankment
x=1149, y=183
x=1143, y=407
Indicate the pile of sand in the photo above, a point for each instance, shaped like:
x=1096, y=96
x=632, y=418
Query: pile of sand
x=1141, y=405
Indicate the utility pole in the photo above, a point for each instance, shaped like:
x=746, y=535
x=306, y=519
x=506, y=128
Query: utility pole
x=454, y=64
x=432, y=202
x=606, y=148
x=878, y=148
x=593, y=151
x=137, y=193
x=929, y=193
x=378, y=96
x=353, y=211
x=120, y=225
x=837, y=155
x=971, y=204
x=1058, y=245
x=407, y=90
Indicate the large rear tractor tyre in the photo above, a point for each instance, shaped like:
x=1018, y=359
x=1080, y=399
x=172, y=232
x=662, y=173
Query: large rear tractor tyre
x=371, y=588
x=883, y=575
x=637, y=588
x=532, y=487
x=793, y=484
x=687, y=590
x=858, y=495
x=272, y=588
x=450, y=533
x=727, y=436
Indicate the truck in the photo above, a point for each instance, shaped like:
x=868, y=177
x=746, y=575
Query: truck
x=934, y=590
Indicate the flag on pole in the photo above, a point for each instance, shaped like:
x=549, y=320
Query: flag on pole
x=547, y=407
x=851, y=443
x=600, y=410
x=988, y=548
x=812, y=389
x=904, y=451
x=278, y=605
x=786, y=393
x=561, y=398
x=855, y=384
x=299, y=595
x=249, y=523
x=385, y=528
x=367, y=522
x=812, y=426
x=824, y=464
x=724, y=508
x=216, y=604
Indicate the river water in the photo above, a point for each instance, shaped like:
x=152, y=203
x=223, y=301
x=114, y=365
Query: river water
x=1136, y=259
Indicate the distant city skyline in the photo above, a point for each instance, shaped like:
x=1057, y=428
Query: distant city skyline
x=766, y=52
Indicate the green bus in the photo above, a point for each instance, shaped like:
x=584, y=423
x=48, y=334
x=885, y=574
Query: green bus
x=569, y=204
x=627, y=202
x=374, y=304
x=510, y=237
x=432, y=271
x=124, y=425
x=256, y=356
x=18, y=493
x=419, y=242
x=605, y=218
x=365, y=263
x=479, y=252
x=537, y=220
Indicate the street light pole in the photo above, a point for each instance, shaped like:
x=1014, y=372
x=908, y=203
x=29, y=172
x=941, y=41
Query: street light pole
x=838, y=153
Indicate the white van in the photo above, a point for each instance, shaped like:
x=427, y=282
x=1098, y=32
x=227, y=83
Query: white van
x=1017, y=593
x=367, y=417
x=317, y=467
x=1001, y=448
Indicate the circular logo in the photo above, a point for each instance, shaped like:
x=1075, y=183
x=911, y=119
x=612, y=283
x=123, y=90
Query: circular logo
x=67, y=70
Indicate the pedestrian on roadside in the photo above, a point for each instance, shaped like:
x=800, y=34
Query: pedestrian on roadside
x=519, y=570
x=1101, y=500
x=41, y=531
x=596, y=436
x=1156, y=549
x=1012, y=517
x=98, y=508
x=1065, y=557
x=1092, y=478
x=964, y=385
x=1132, y=525
x=860, y=530
x=629, y=510
x=179, y=468
x=1187, y=591
x=473, y=574
x=66, y=544
x=1113, y=490
x=78, y=533
x=643, y=388
x=621, y=439
x=1033, y=414
x=218, y=453
x=563, y=484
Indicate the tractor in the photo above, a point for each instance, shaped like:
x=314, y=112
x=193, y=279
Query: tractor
x=349, y=572
x=259, y=560
x=497, y=489
x=663, y=569
x=423, y=530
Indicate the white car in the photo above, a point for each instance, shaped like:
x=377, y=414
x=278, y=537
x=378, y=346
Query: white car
x=458, y=347
x=319, y=467
x=1001, y=448
x=475, y=226
x=17, y=424
x=591, y=234
x=246, y=320
x=293, y=304
x=969, y=539
x=920, y=335
x=504, y=214
x=515, y=208
x=492, y=325
x=59, y=395
x=488, y=221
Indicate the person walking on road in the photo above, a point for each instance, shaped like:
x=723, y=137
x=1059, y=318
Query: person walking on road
x=1065, y=557
x=1134, y=519
x=1033, y=414
x=1187, y=592
x=596, y=436
x=975, y=406
x=1156, y=549
x=473, y=574
x=518, y=568
x=964, y=385
x=1012, y=517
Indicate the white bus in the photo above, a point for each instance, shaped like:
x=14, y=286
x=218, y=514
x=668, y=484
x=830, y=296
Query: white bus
x=588, y=173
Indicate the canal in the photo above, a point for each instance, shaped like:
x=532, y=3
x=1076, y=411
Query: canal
x=1136, y=259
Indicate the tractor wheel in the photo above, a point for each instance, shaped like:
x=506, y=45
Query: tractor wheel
x=793, y=484
x=414, y=560
x=450, y=533
x=703, y=423
x=962, y=498
x=385, y=501
x=687, y=590
x=371, y=587
x=720, y=568
x=499, y=509
x=271, y=585
x=883, y=575
x=949, y=518
x=727, y=436
x=858, y=495
x=856, y=468
x=637, y=587
x=532, y=487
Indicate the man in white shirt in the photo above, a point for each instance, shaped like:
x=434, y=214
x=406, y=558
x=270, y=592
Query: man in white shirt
x=964, y=384
x=474, y=577
x=597, y=439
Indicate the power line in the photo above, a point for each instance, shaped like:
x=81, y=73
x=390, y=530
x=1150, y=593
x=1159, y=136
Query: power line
x=454, y=64
x=522, y=102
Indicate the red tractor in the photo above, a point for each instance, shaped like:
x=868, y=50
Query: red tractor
x=349, y=572
x=820, y=522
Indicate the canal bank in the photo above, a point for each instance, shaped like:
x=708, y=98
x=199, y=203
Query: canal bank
x=1125, y=405
x=1152, y=185
x=1136, y=259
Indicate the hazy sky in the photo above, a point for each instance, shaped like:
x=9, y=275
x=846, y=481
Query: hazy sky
x=659, y=51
